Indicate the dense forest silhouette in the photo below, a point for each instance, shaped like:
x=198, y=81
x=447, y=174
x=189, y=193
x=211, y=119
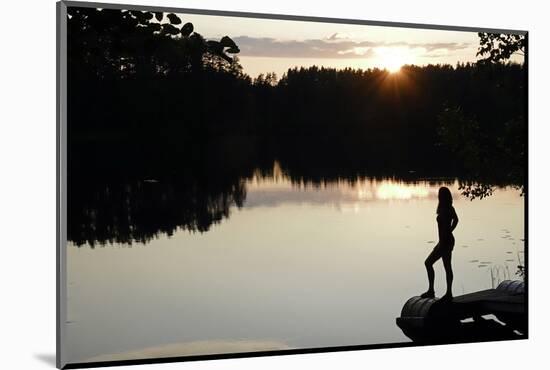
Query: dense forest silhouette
x=165, y=127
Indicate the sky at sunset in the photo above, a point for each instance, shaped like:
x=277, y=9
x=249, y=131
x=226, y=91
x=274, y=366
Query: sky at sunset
x=276, y=45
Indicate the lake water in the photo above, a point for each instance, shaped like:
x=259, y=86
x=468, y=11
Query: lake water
x=298, y=266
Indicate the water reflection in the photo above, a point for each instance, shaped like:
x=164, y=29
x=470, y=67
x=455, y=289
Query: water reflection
x=298, y=263
x=131, y=211
x=139, y=211
x=264, y=191
x=193, y=349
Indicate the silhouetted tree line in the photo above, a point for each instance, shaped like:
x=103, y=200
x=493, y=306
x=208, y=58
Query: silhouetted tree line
x=134, y=78
x=164, y=126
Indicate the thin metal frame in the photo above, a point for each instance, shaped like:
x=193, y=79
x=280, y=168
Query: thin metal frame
x=61, y=186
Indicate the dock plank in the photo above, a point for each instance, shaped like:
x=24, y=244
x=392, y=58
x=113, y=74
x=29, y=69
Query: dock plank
x=425, y=319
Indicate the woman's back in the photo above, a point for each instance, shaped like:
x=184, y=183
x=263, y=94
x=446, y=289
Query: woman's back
x=444, y=222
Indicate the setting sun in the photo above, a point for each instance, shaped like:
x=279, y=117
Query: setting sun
x=393, y=58
x=394, y=66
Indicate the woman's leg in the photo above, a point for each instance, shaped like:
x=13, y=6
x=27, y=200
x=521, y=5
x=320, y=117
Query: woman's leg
x=446, y=257
x=432, y=257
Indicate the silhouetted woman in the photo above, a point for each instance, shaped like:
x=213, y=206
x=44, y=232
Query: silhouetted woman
x=446, y=223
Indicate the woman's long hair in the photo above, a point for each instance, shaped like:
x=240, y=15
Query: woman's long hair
x=445, y=200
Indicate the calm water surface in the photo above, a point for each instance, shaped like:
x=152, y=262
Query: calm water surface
x=298, y=266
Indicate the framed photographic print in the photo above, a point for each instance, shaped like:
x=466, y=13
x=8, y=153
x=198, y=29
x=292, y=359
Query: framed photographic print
x=236, y=184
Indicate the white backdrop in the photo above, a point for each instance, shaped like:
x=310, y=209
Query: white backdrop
x=27, y=182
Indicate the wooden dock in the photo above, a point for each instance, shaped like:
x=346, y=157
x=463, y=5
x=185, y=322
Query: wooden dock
x=465, y=317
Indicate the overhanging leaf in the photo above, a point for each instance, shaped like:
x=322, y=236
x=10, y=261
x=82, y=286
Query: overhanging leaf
x=174, y=19
x=187, y=29
x=227, y=42
x=169, y=29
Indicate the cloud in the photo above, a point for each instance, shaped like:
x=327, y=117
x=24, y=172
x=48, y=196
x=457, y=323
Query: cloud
x=332, y=47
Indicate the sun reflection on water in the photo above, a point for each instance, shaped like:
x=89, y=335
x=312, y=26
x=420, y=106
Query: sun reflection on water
x=344, y=191
x=389, y=190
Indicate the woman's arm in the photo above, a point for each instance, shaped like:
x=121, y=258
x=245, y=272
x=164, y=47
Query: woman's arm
x=454, y=220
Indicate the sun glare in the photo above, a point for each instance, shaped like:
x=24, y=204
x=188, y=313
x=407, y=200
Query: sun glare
x=393, y=58
x=394, y=66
